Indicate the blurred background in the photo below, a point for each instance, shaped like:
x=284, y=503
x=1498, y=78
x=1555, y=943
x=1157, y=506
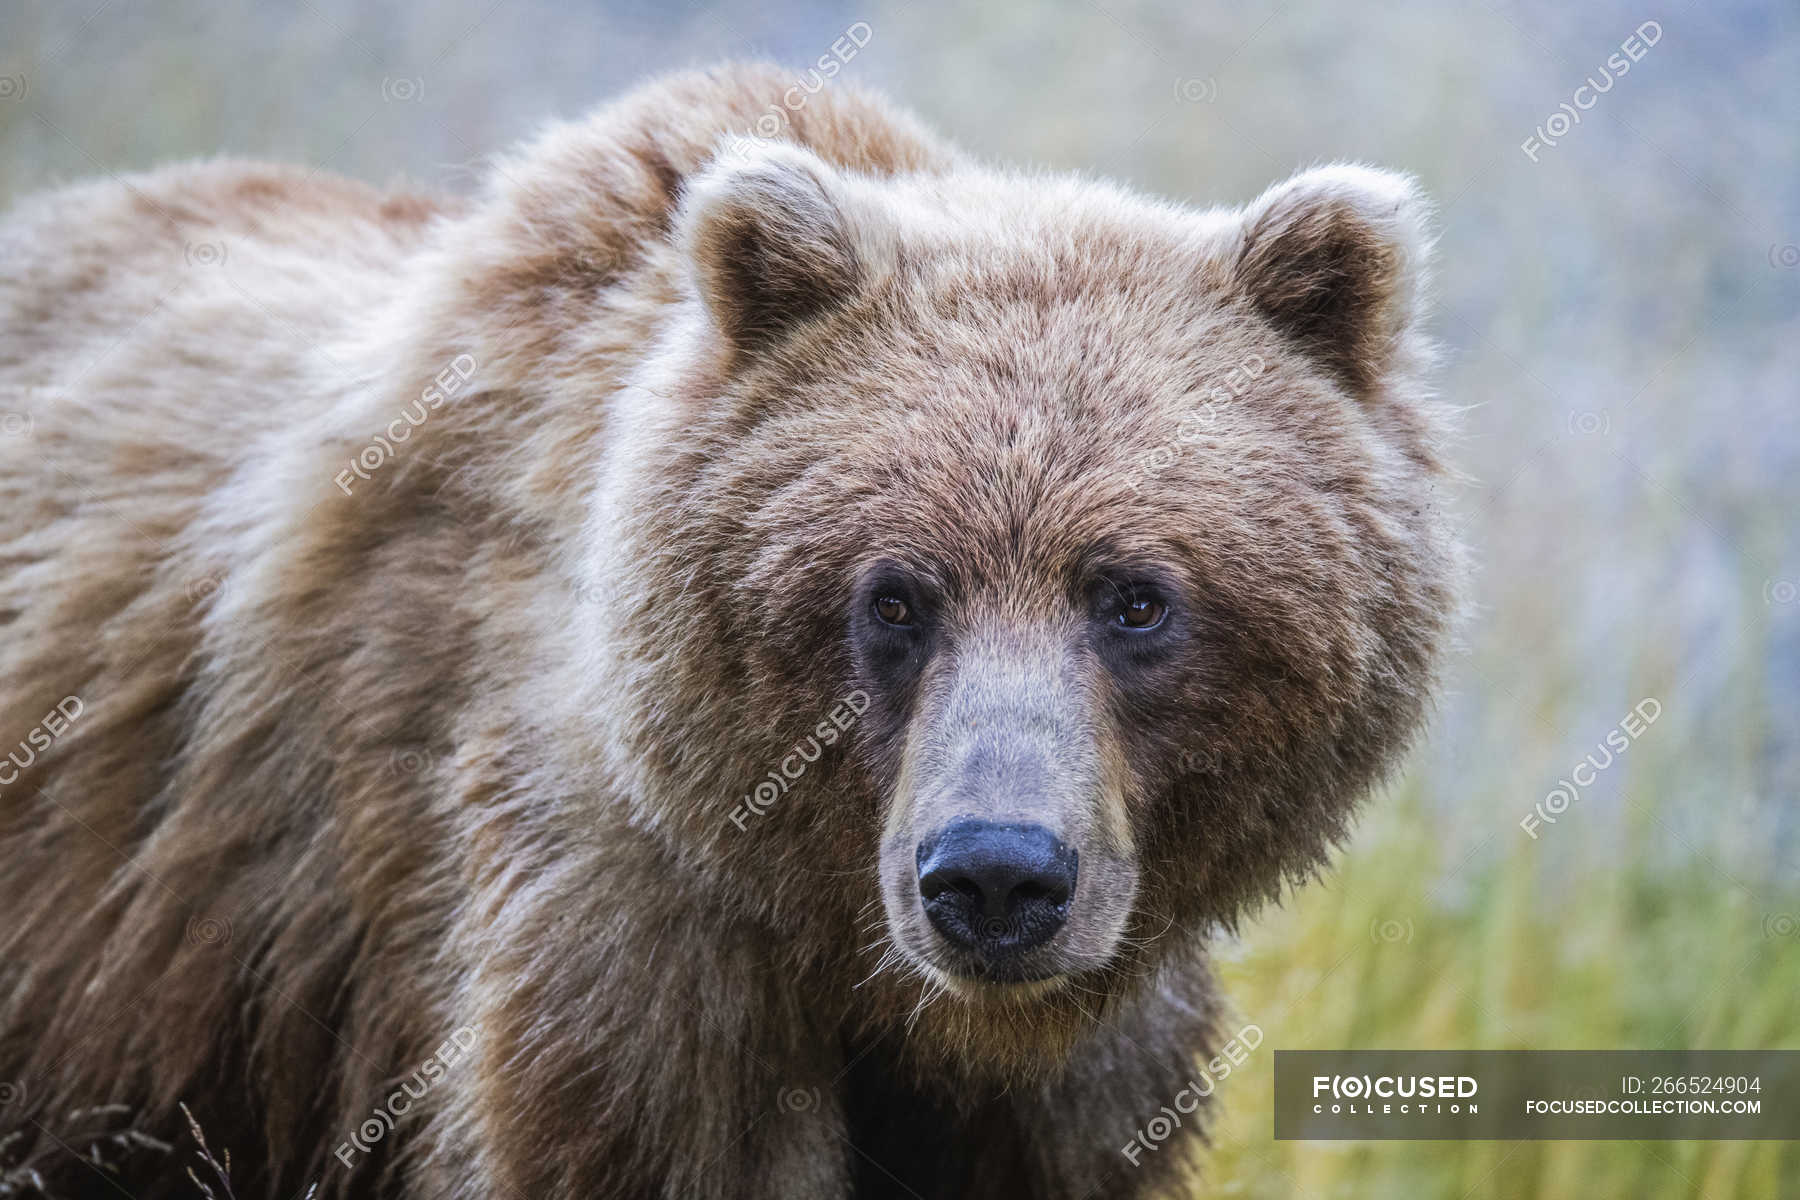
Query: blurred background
x=1619, y=299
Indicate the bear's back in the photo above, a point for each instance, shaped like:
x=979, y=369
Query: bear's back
x=172, y=345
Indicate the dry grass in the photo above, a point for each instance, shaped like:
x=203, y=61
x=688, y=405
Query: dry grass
x=105, y=1140
x=1402, y=950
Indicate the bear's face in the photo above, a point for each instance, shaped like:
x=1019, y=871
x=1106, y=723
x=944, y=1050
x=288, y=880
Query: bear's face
x=1112, y=522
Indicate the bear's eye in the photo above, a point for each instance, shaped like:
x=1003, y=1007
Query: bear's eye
x=1142, y=612
x=894, y=611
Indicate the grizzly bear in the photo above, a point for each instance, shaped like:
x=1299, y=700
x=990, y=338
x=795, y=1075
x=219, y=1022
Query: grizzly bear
x=724, y=665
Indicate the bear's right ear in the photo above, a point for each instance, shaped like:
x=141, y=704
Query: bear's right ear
x=769, y=244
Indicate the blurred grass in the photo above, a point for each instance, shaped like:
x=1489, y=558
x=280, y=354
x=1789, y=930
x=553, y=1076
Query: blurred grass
x=1513, y=951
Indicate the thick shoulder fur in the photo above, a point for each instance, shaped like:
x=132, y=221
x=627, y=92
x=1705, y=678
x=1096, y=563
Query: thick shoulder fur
x=227, y=865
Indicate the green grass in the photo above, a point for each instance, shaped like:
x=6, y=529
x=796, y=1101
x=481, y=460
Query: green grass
x=1404, y=947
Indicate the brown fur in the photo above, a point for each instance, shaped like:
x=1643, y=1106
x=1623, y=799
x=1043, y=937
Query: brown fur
x=460, y=748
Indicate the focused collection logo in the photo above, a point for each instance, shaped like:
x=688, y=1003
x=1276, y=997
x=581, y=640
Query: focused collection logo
x=1395, y=1094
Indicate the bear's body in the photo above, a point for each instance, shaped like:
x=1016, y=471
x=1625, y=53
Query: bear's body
x=466, y=609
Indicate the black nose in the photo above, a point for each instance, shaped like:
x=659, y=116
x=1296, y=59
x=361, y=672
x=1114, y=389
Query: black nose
x=996, y=889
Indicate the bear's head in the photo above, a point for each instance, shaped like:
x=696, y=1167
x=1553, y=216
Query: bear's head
x=1022, y=576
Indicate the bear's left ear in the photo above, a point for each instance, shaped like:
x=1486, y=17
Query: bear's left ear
x=1334, y=259
x=768, y=242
